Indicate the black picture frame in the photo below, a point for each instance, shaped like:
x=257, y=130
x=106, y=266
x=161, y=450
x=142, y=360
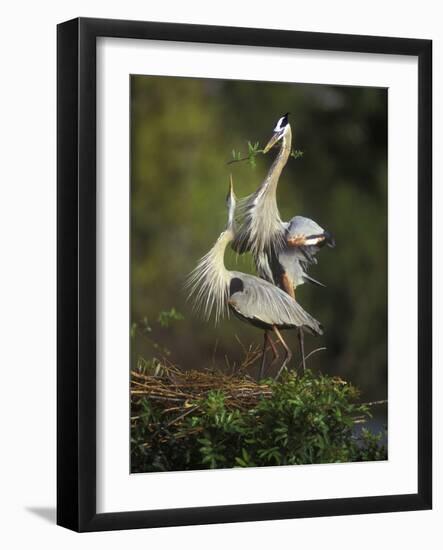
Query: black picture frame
x=76, y=266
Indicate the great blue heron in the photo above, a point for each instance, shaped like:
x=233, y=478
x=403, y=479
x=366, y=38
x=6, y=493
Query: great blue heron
x=253, y=300
x=282, y=251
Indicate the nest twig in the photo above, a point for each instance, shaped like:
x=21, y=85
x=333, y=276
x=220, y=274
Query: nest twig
x=172, y=388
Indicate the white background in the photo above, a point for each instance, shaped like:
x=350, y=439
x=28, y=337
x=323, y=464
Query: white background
x=27, y=277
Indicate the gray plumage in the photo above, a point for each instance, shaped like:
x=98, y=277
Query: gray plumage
x=265, y=305
x=254, y=300
x=295, y=261
x=278, y=248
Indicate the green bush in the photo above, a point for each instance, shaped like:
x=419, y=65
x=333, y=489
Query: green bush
x=305, y=419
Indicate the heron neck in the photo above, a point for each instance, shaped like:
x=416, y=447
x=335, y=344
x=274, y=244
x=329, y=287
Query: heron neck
x=219, y=249
x=215, y=261
x=271, y=180
x=265, y=226
x=210, y=279
x=217, y=273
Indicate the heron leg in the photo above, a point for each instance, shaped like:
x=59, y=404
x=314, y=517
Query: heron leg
x=287, y=285
x=288, y=351
x=301, y=338
x=263, y=356
x=274, y=351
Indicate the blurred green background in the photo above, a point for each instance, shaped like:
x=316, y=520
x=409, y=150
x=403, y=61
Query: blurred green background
x=183, y=131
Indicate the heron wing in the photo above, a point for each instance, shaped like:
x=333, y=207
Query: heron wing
x=305, y=238
x=304, y=226
x=261, y=301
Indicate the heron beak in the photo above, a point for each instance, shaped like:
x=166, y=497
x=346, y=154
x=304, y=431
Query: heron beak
x=325, y=238
x=231, y=193
x=275, y=137
x=330, y=241
x=230, y=201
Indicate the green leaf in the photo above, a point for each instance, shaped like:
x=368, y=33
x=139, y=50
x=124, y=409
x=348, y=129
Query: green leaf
x=165, y=318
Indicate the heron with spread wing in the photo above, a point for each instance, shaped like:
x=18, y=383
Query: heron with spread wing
x=282, y=251
x=253, y=300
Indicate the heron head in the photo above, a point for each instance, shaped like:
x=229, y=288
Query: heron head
x=280, y=130
x=230, y=202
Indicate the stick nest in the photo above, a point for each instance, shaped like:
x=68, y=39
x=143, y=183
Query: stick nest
x=173, y=389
